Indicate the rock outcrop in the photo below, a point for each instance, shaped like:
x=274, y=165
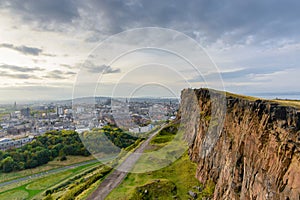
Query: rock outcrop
x=250, y=148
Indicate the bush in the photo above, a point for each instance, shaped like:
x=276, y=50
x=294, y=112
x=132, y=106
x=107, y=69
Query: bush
x=158, y=189
x=63, y=158
x=167, y=134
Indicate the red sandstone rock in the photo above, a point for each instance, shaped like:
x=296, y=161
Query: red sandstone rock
x=250, y=152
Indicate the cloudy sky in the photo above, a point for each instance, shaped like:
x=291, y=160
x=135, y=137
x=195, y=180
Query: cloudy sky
x=49, y=47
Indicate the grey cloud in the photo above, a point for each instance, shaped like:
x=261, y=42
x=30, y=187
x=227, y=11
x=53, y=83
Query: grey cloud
x=26, y=50
x=17, y=76
x=49, y=54
x=110, y=70
x=70, y=73
x=250, y=71
x=233, y=21
x=58, y=74
x=54, y=76
x=258, y=23
x=15, y=68
x=71, y=67
x=43, y=11
x=23, y=49
x=240, y=75
x=63, y=72
x=105, y=69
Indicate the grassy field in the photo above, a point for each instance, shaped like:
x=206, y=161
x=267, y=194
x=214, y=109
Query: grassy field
x=51, y=165
x=14, y=195
x=34, y=189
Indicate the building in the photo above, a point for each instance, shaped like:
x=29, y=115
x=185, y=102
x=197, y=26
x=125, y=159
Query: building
x=7, y=143
x=19, y=129
x=25, y=112
x=141, y=129
x=59, y=111
x=3, y=140
x=80, y=109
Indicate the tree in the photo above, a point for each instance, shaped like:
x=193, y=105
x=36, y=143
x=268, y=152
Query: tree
x=43, y=156
x=7, y=164
x=19, y=166
x=31, y=163
x=1, y=155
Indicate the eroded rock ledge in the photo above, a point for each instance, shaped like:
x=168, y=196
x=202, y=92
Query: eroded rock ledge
x=255, y=153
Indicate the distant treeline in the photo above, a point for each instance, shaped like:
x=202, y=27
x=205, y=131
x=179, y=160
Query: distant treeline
x=58, y=144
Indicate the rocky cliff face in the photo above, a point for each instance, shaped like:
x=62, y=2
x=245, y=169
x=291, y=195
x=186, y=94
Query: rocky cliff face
x=249, y=148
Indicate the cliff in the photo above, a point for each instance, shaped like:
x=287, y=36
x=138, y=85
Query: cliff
x=248, y=147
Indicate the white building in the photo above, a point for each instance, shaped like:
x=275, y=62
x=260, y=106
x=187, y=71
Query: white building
x=141, y=129
x=79, y=109
x=7, y=143
x=81, y=130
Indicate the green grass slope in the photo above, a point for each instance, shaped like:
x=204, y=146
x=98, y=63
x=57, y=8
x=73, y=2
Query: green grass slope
x=171, y=182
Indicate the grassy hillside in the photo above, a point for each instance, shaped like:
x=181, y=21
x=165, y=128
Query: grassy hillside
x=293, y=103
x=172, y=182
x=284, y=102
x=163, y=138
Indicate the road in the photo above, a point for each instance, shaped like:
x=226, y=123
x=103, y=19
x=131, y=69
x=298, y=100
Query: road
x=118, y=175
x=49, y=172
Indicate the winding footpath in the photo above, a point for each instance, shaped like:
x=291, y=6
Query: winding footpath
x=118, y=175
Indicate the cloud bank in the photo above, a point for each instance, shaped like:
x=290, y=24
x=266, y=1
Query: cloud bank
x=256, y=44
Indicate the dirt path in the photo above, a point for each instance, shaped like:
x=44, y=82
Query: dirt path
x=117, y=176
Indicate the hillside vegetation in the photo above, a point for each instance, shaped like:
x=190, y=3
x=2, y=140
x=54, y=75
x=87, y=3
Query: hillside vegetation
x=42, y=150
x=175, y=181
x=292, y=103
x=59, y=144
